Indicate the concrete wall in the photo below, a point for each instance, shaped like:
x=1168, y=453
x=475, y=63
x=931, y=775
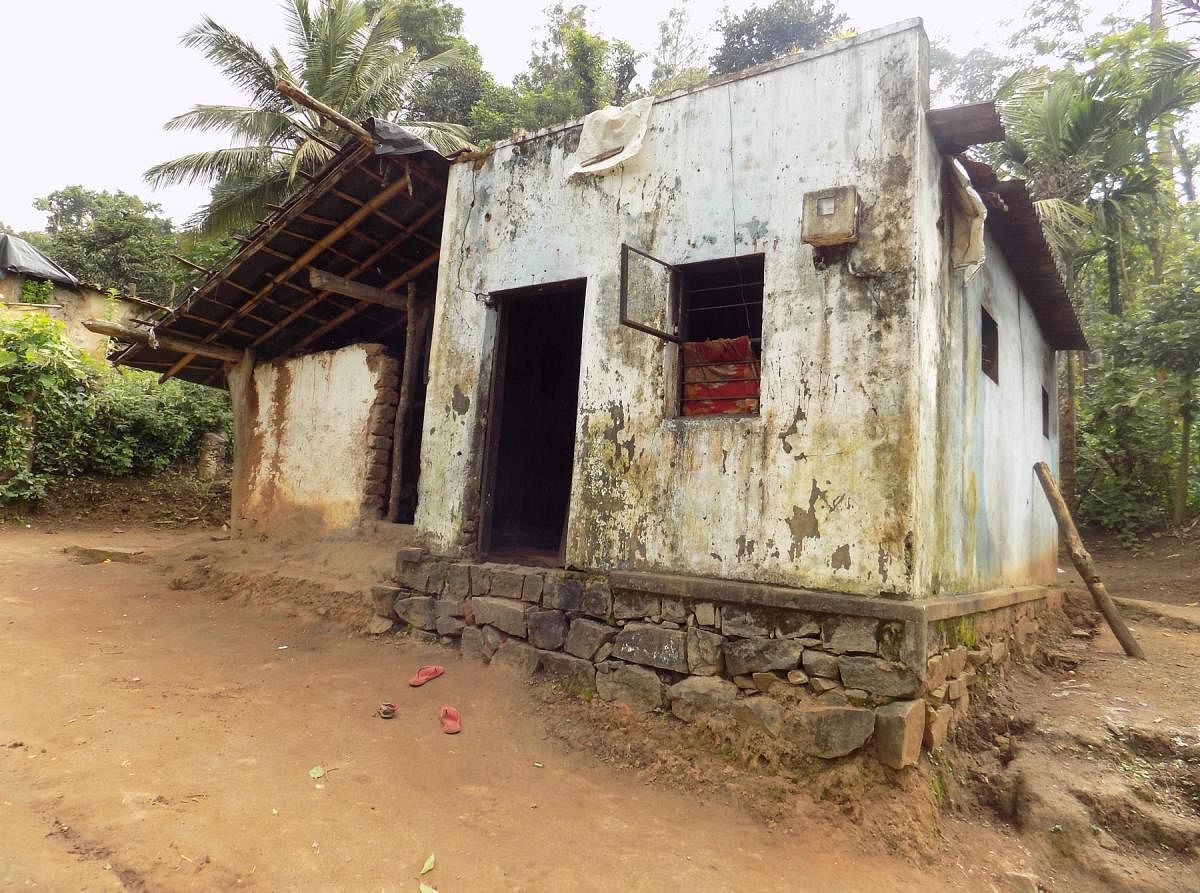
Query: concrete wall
x=817, y=490
x=306, y=464
x=72, y=308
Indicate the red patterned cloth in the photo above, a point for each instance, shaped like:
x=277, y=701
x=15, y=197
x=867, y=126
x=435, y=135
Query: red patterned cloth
x=720, y=377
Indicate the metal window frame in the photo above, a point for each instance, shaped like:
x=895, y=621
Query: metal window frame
x=672, y=296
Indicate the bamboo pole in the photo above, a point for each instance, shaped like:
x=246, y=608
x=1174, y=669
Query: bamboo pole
x=413, y=339
x=1083, y=563
x=294, y=93
x=170, y=342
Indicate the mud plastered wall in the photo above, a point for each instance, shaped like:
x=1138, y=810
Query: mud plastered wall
x=815, y=491
x=309, y=468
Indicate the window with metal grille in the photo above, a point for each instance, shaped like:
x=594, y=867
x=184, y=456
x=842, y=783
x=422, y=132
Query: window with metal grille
x=713, y=311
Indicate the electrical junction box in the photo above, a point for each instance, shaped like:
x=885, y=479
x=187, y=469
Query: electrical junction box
x=830, y=217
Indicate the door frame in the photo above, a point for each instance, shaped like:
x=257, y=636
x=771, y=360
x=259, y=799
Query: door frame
x=501, y=300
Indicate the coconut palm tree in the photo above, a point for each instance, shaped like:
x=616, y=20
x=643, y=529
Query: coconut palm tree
x=349, y=54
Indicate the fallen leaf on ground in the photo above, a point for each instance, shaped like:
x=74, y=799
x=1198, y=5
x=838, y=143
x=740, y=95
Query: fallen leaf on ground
x=316, y=772
x=425, y=888
x=429, y=863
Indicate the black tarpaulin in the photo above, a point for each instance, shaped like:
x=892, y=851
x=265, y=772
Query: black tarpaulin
x=18, y=256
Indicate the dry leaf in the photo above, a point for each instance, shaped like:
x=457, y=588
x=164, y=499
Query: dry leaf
x=316, y=772
x=429, y=863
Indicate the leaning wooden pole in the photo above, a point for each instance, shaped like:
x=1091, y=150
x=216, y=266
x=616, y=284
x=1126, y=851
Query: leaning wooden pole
x=414, y=336
x=333, y=116
x=1083, y=563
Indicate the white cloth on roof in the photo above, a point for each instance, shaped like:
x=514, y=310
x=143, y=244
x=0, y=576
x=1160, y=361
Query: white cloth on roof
x=611, y=136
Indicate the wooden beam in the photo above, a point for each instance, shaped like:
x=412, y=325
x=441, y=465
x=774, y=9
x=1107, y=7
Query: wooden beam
x=406, y=277
x=170, y=342
x=188, y=263
x=417, y=315
x=1083, y=563
x=383, y=251
x=298, y=96
x=380, y=198
x=342, y=286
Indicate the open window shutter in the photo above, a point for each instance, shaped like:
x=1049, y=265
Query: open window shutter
x=648, y=294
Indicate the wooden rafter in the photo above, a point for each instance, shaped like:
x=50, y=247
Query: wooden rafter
x=380, y=198
x=412, y=273
x=170, y=342
x=373, y=259
x=340, y=285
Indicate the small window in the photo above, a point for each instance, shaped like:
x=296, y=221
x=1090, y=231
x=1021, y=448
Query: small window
x=713, y=311
x=990, y=347
x=720, y=317
x=1045, y=413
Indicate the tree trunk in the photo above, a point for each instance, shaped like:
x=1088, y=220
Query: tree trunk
x=1116, y=305
x=1179, y=516
x=1066, y=432
x=1186, y=168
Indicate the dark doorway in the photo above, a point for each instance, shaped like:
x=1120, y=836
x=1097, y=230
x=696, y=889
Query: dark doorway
x=531, y=434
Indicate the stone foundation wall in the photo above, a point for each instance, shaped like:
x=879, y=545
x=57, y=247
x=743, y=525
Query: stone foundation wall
x=833, y=681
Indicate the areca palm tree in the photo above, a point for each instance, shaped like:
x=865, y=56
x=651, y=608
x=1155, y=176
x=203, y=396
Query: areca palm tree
x=349, y=54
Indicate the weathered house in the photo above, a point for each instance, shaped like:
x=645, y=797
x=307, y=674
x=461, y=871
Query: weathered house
x=749, y=379
x=69, y=301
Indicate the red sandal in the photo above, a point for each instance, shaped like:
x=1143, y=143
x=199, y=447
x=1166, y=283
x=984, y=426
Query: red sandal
x=425, y=674
x=451, y=721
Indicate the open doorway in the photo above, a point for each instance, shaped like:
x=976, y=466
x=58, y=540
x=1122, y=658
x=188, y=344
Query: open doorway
x=531, y=432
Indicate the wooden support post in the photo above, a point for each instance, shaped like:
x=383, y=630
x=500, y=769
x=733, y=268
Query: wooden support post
x=170, y=342
x=342, y=286
x=1083, y=563
x=414, y=339
x=239, y=378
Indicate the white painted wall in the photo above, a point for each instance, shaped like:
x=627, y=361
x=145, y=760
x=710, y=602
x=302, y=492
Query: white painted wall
x=306, y=463
x=817, y=491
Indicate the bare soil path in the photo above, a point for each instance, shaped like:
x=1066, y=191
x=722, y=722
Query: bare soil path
x=153, y=739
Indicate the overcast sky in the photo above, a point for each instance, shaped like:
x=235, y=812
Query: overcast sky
x=89, y=83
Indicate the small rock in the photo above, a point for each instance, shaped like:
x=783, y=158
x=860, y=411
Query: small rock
x=880, y=677
x=531, y=588
x=764, y=681
x=381, y=598
x=586, y=637
x=705, y=613
x=1019, y=882
x=674, y=611
x=472, y=643
x=636, y=687
x=562, y=592
x=977, y=657
x=629, y=605
x=760, y=713
x=450, y=626
x=699, y=695
x=597, y=599
x=604, y=652
x=955, y=689
x=578, y=674
x=829, y=732
x=505, y=614
x=834, y=698
x=999, y=652
x=956, y=661
x=760, y=654
x=859, y=698
x=507, y=583
x=547, y=629
x=820, y=685
x=519, y=656
x=936, y=669
x=417, y=611
x=797, y=677
x=704, y=652
x=937, y=695
x=492, y=639
x=937, y=725
x=854, y=634
x=645, y=643
x=377, y=625
x=746, y=621
x=818, y=663
x=899, y=730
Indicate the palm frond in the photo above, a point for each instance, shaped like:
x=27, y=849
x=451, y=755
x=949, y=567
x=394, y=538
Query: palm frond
x=232, y=162
x=243, y=65
x=266, y=126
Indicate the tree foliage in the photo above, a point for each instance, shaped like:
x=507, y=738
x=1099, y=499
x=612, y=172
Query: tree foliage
x=763, y=33
x=63, y=413
x=349, y=54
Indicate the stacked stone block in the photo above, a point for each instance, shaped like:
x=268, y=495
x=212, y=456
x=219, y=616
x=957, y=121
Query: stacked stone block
x=698, y=657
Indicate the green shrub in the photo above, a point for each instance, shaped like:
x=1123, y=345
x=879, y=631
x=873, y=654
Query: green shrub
x=75, y=415
x=36, y=291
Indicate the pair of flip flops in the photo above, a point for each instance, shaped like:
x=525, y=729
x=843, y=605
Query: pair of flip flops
x=449, y=717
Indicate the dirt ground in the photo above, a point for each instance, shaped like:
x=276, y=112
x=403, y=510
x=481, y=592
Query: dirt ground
x=161, y=718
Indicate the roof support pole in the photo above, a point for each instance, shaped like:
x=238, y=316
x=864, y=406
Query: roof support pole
x=339, y=285
x=170, y=342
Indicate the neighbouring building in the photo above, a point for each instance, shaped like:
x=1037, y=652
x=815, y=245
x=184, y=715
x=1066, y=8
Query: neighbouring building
x=738, y=386
x=69, y=300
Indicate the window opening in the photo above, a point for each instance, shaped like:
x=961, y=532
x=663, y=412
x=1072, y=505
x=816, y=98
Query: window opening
x=990, y=347
x=721, y=315
x=1045, y=413
x=714, y=311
